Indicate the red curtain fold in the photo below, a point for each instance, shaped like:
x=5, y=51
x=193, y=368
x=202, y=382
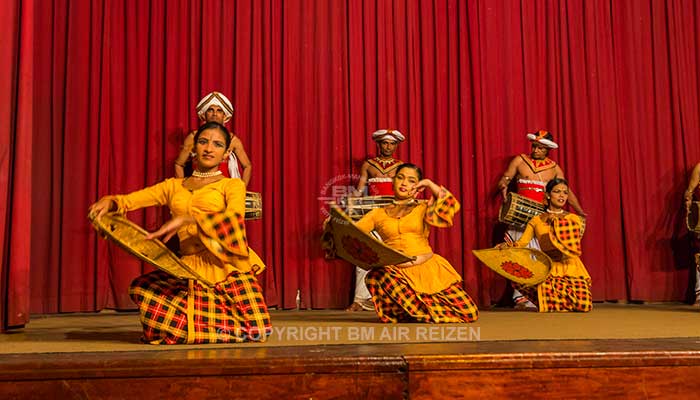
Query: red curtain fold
x=16, y=161
x=99, y=96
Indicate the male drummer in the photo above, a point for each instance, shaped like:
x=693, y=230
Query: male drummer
x=215, y=107
x=532, y=172
x=379, y=171
x=376, y=176
x=692, y=190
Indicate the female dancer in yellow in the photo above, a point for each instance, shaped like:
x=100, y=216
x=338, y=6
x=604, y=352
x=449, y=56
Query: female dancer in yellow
x=568, y=286
x=208, y=217
x=427, y=289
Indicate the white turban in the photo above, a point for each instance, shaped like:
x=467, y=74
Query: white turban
x=543, y=137
x=218, y=99
x=391, y=134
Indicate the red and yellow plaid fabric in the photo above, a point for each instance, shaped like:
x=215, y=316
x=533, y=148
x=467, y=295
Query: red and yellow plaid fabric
x=560, y=294
x=566, y=234
x=178, y=311
x=441, y=213
x=223, y=233
x=395, y=301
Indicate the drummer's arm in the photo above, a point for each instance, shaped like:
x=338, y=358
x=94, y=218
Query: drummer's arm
x=243, y=160
x=184, y=156
x=364, y=175
x=573, y=200
x=510, y=173
x=692, y=184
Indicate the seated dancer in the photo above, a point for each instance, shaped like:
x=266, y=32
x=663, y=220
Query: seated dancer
x=427, y=289
x=215, y=107
x=532, y=173
x=693, y=190
x=376, y=176
x=208, y=217
x=568, y=286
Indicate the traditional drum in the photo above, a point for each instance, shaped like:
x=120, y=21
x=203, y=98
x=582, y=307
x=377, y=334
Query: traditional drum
x=253, y=205
x=357, y=207
x=518, y=264
x=692, y=218
x=342, y=239
x=518, y=210
x=131, y=238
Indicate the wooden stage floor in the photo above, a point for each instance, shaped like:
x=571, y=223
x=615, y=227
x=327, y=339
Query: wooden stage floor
x=605, y=367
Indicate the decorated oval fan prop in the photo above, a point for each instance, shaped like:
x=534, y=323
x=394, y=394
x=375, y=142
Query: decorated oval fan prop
x=344, y=240
x=518, y=264
x=131, y=238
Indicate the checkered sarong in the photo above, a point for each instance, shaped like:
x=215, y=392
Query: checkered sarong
x=560, y=293
x=179, y=311
x=395, y=301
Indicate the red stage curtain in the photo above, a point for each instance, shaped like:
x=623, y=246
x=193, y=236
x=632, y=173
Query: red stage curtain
x=16, y=160
x=115, y=84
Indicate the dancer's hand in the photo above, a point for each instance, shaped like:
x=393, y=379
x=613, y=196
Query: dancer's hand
x=170, y=228
x=101, y=207
x=427, y=183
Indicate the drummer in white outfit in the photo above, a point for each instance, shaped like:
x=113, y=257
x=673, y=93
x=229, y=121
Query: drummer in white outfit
x=215, y=107
x=376, y=175
x=532, y=173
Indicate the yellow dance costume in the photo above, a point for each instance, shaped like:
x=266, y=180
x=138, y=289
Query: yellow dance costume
x=568, y=286
x=183, y=311
x=427, y=292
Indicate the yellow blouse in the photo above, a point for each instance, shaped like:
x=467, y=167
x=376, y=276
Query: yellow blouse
x=565, y=265
x=409, y=235
x=219, y=230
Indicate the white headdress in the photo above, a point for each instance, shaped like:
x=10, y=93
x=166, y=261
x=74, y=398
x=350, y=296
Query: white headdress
x=392, y=134
x=543, y=137
x=215, y=98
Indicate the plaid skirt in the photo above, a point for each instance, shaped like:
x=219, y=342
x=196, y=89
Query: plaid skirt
x=180, y=311
x=395, y=301
x=560, y=294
